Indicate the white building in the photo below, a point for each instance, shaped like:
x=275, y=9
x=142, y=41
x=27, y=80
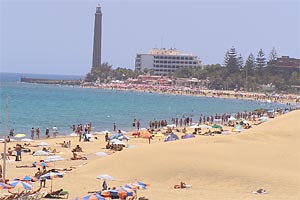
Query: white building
x=164, y=61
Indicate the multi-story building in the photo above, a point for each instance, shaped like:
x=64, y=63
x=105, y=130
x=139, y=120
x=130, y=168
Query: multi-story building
x=285, y=62
x=164, y=61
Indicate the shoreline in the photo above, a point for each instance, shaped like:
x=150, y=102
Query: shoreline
x=183, y=91
x=202, y=152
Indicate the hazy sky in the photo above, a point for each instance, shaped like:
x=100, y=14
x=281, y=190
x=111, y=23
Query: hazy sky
x=56, y=36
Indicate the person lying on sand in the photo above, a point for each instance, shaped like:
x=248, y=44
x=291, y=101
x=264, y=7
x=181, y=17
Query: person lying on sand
x=182, y=185
x=78, y=157
x=260, y=191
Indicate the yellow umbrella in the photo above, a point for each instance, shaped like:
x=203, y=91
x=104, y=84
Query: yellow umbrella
x=159, y=135
x=20, y=135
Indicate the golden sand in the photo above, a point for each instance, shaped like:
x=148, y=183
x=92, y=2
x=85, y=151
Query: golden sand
x=218, y=167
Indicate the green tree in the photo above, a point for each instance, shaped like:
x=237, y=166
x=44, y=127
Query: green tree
x=281, y=85
x=184, y=72
x=231, y=61
x=260, y=59
x=272, y=56
x=241, y=61
x=295, y=79
x=249, y=65
x=101, y=72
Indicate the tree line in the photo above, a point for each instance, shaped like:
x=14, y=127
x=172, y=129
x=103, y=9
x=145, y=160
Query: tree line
x=248, y=76
x=234, y=73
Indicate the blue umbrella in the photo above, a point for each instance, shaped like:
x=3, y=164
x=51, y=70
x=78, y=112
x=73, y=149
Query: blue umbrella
x=91, y=197
x=5, y=186
x=20, y=185
x=188, y=136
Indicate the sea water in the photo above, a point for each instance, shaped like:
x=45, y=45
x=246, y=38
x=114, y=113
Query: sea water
x=45, y=106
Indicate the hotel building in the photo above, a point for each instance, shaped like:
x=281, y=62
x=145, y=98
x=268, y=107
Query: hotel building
x=164, y=61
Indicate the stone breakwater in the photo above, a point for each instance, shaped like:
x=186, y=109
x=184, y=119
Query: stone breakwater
x=50, y=81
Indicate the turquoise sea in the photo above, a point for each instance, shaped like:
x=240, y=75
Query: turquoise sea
x=44, y=106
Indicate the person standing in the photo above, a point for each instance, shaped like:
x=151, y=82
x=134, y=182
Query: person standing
x=11, y=132
x=106, y=137
x=32, y=133
x=104, y=185
x=37, y=131
x=47, y=133
x=43, y=180
x=55, y=131
x=138, y=124
x=37, y=175
x=18, y=149
x=115, y=127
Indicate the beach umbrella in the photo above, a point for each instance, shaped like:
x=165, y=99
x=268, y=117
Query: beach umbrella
x=195, y=126
x=263, y=119
x=40, y=164
x=216, y=126
x=129, y=191
x=123, y=137
x=231, y=118
x=124, y=132
x=91, y=197
x=159, y=135
x=52, y=175
x=101, y=154
x=27, y=140
x=54, y=158
x=5, y=186
x=28, y=178
x=116, y=141
x=171, y=125
x=20, y=135
x=105, y=177
x=186, y=136
x=43, y=144
x=140, y=184
x=20, y=185
x=40, y=153
x=217, y=120
x=204, y=126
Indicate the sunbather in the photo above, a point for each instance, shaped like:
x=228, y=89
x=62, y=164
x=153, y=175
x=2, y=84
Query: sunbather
x=78, y=157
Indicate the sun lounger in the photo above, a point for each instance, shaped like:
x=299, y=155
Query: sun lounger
x=58, y=194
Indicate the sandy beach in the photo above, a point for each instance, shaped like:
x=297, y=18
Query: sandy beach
x=218, y=167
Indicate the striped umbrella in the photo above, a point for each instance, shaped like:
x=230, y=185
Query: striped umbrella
x=140, y=184
x=91, y=197
x=41, y=164
x=52, y=175
x=4, y=186
x=20, y=185
x=29, y=179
